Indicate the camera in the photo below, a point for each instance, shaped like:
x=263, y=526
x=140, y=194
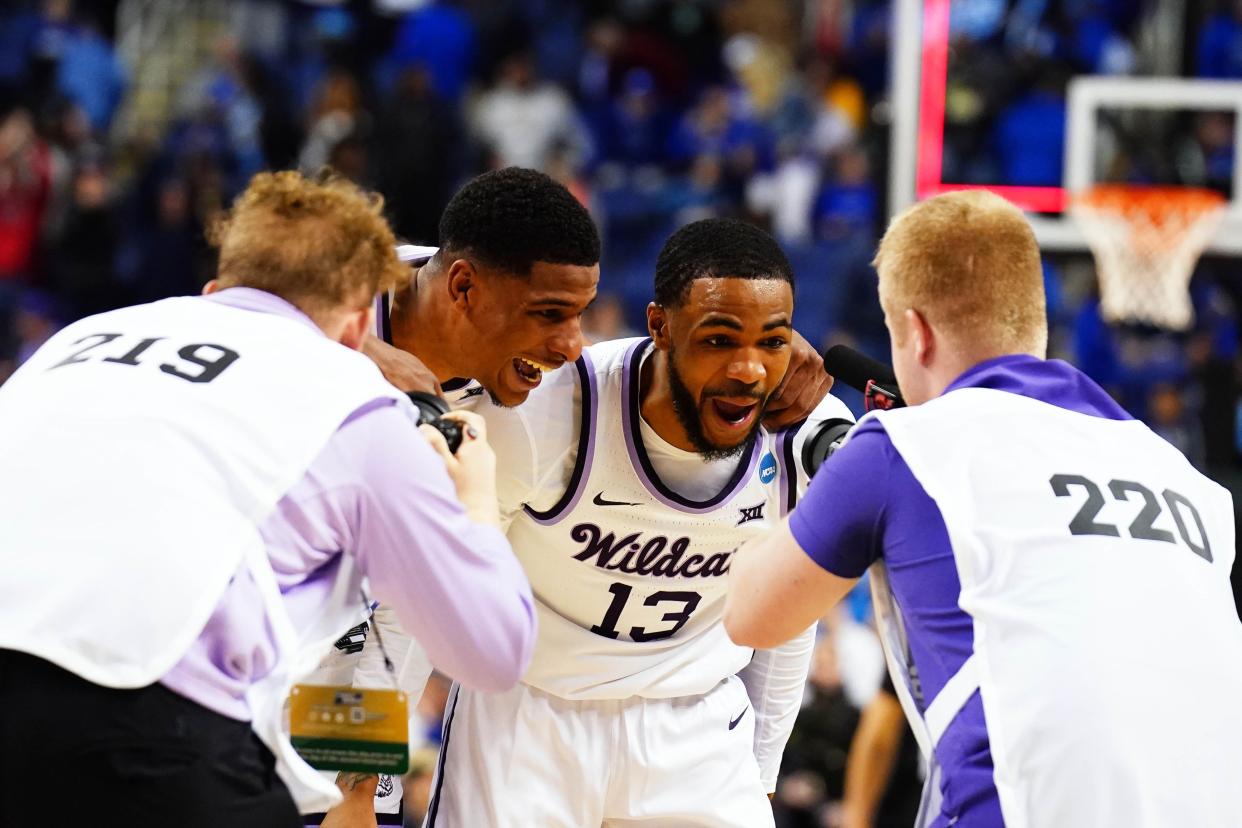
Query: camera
x=431, y=410
x=828, y=437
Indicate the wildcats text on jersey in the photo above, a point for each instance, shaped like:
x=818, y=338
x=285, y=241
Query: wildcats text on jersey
x=654, y=557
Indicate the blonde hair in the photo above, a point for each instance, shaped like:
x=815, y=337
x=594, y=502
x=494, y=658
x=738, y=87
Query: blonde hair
x=321, y=244
x=969, y=263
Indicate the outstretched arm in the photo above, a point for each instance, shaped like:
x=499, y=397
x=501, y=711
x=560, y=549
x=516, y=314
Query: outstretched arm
x=779, y=584
x=446, y=571
x=776, y=591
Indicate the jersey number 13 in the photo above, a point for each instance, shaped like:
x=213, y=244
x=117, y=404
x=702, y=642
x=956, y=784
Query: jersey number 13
x=689, y=601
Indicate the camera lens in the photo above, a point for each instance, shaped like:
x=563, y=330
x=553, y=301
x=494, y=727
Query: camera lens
x=820, y=445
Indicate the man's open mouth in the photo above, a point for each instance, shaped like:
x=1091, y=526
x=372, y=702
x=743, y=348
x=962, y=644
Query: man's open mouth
x=530, y=371
x=735, y=412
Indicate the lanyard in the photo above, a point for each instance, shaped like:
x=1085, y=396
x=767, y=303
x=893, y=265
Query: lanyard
x=379, y=639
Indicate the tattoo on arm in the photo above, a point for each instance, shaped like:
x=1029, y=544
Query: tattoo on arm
x=351, y=779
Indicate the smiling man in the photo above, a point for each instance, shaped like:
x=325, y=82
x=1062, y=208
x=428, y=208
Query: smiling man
x=484, y=315
x=627, y=481
x=500, y=302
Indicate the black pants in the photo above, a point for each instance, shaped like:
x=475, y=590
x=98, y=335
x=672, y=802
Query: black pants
x=75, y=753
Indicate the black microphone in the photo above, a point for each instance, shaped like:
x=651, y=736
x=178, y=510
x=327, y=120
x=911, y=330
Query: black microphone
x=874, y=379
x=878, y=385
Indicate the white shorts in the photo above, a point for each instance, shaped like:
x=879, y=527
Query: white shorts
x=526, y=758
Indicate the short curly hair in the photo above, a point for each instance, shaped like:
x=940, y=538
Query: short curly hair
x=513, y=217
x=713, y=248
x=320, y=244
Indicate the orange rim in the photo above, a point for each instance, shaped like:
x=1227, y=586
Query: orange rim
x=1155, y=204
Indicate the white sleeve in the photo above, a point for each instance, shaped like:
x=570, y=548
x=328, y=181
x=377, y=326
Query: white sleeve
x=528, y=462
x=774, y=682
x=775, y=679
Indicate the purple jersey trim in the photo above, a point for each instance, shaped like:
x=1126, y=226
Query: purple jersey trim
x=1052, y=381
x=631, y=416
x=433, y=807
x=789, y=467
x=586, y=447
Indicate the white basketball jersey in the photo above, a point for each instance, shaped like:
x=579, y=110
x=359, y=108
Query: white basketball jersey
x=630, y=577
x=1094, y=562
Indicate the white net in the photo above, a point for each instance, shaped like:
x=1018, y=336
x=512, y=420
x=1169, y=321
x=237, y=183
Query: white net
x=1146, y=241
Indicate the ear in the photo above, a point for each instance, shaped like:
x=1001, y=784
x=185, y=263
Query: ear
x=657, y=326
x=211, y=287
x=924, y=336
x=460, y=279
x=355, y=326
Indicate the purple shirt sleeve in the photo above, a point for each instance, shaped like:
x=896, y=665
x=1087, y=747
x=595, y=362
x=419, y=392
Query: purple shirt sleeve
x=379, y=491
x=865, y=504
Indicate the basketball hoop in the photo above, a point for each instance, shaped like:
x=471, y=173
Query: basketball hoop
x=1146, y=241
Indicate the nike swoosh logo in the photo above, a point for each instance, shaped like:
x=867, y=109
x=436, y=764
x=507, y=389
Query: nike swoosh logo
x=598, y=500
x=733, y=723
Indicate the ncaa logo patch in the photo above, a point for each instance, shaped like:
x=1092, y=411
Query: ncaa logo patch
x=767, y=468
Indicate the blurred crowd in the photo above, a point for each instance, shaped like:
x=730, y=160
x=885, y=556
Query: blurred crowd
x=127, y=126
x=1005, y=105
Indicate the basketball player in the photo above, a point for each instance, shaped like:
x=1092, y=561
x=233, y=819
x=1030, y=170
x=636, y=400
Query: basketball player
x=627, y=483
x=1052, y=577
x=499, y=302
x=485, y=314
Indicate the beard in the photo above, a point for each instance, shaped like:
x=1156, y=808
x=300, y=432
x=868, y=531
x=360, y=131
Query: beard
x=688, y=414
